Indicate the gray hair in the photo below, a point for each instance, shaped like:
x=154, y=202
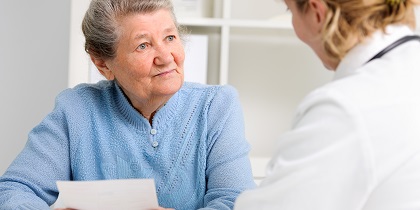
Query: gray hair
x=100, y=24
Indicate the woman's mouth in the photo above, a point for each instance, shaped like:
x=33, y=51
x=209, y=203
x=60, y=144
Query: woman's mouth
x=166, y=72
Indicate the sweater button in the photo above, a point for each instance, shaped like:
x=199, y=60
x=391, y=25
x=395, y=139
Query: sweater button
x=155, y=144
x=153, y=131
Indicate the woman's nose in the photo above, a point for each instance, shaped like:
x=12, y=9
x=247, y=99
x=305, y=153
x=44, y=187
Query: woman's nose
x=163, y=55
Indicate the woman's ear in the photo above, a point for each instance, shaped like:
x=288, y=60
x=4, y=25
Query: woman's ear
x=102, y=67
x=319, y=9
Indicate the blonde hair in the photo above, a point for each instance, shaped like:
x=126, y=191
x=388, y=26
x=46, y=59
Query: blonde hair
x=351, y=21
x=100, y=24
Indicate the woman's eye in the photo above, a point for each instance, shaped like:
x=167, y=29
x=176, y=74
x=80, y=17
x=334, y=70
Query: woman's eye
x=142, y=46
x=171, y=38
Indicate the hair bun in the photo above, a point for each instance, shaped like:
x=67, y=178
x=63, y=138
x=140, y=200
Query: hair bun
x=393, y=3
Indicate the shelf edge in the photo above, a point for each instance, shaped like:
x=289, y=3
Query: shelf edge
x=218, y=22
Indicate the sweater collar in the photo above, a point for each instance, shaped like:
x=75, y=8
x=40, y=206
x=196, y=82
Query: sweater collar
x=161, y=118
x=362, y=52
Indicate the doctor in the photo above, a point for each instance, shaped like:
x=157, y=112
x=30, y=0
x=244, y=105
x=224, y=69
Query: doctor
x=355, y=142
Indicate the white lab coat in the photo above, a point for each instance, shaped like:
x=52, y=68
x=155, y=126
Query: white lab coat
x=355, y=142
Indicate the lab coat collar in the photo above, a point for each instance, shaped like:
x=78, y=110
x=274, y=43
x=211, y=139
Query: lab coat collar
x=362, y=52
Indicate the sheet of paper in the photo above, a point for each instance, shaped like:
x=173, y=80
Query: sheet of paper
x=127, y=194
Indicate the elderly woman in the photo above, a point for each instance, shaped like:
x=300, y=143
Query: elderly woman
x=355, y=142
x=143, y=122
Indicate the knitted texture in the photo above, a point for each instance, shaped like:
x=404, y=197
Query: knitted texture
x=93, y=133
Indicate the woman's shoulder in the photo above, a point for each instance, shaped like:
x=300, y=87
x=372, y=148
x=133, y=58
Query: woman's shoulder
x=88, y=88
x=210, y=96
x=86, y=92
x=210, y=90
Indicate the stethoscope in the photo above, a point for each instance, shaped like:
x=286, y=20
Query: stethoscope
x=394, y=45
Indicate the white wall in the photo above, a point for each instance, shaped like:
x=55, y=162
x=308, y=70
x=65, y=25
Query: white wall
x=34, y=50
x=78, y=58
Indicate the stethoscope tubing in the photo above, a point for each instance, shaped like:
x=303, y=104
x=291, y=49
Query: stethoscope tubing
x=394, y=45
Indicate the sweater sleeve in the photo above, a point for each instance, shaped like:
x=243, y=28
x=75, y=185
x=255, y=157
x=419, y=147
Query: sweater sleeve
x=30, y=181
x=228, y=170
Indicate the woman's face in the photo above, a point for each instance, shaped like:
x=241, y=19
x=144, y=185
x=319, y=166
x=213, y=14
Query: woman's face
x=299, y=19
x=149, y=60
x=308, y=25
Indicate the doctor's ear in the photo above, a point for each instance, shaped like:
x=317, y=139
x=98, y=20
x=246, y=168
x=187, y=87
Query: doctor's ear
x=320, y=9
x=102, y=67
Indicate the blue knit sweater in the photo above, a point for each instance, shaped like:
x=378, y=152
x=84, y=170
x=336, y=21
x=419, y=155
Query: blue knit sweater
x=93, y=133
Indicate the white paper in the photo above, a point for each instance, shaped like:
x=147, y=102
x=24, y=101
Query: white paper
x=127, y=194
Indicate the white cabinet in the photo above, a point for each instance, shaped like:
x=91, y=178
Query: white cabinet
x=253, y=48
x=226, y=18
